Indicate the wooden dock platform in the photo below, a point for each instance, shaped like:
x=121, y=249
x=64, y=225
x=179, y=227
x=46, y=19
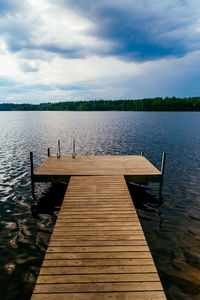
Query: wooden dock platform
x=59, y=169
x=98, y=249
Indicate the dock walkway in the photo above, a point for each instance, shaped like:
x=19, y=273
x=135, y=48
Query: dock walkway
x=98, y=249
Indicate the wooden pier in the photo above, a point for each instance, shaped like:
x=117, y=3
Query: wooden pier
x=98, y=249
x=136, y=167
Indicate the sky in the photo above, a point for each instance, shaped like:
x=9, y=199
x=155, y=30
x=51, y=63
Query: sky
x=68, y=50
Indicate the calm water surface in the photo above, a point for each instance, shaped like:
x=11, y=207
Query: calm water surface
x=171, y=224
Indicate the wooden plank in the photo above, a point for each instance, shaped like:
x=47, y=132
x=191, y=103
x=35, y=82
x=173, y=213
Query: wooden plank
x=91, y=255
x=93, y=220
x=98, y=248
x=96, y=224
x=97, y=262
x=96, y=287
x=99, y=206
x=141, y=242
x=70, y=228
x=135, y=236
x=98, y=270
x=67, y=219
x=125, y=213
x=111, y=201
x=142, y=295
x=52, y=279
x=97, y=210
x=63, y=249
x=99, y=233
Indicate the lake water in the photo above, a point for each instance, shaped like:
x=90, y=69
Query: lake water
x=171, y=224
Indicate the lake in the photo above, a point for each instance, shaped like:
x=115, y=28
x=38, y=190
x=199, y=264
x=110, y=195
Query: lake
x=171, y=224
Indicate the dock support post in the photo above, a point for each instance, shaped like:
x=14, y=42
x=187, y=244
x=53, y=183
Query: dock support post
x=58, y=149
x=142, y=154
x=73, y=149
x=48, y=151
x=162, y=172
x=32, y=179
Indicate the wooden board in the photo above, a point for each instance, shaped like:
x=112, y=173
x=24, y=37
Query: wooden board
x=98, y=249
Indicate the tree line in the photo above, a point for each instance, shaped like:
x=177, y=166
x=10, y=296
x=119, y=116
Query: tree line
x=147, y=104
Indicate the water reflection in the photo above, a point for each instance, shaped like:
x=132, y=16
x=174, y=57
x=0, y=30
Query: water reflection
x=176, y=258
x=23, y=242
x=50, y=202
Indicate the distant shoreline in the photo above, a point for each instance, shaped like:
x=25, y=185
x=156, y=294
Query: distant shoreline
x=147, y=104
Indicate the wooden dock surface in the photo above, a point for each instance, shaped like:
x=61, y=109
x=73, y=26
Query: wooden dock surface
x=97, y=165
x=98, y=249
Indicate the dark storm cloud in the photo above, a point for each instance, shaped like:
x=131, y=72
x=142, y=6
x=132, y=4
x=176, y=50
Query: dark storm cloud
x=138, y=30
x=142, y=30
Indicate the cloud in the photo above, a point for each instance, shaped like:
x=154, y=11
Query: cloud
x=43, y=27
x=144, y=30
x=29, y=67
x=88, y=49
x=110, y=78
x=10, y=6
x=134, y=30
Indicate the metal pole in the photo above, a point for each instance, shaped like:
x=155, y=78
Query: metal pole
x=142, y=154
x=32, y=179
x=162, y=170
x=73, y=149
x=48, y=151
x=58, y=149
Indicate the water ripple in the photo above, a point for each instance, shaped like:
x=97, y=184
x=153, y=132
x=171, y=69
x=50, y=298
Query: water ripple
x=171, y=224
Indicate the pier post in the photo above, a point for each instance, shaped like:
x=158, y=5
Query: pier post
x=73, y=149
x=48, y=151
x=32, y=179
x=162, y=172
x=142, y=154
x=58, y=149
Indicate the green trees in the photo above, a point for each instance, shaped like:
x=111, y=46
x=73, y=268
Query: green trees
x=147, y=104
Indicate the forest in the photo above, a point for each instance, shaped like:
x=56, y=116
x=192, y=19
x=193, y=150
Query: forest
x=147, y=104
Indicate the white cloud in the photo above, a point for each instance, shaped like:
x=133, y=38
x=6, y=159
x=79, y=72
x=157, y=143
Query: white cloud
x=56, y=51
x=9, y=66
x=110, y=78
